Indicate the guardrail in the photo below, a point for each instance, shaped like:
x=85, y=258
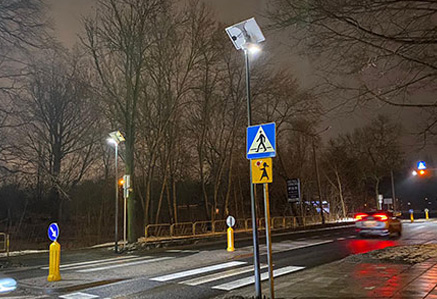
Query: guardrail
x=217, y=227
x=4, y=243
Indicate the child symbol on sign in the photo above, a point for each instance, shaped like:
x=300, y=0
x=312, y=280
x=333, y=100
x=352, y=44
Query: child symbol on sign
x=264, y=171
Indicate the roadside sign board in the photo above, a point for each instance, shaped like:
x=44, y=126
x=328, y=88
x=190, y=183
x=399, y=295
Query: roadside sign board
x=262, y=171
x=230, y=221
x=293, y=190
x=421, y=165
x=261, y=141
x=53, y=232
x=411, y=211
x=388, y=201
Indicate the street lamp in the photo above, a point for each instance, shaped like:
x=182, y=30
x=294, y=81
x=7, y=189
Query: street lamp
x=115, y=138
x=245, y=36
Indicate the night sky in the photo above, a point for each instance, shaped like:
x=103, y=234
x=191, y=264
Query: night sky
x=66, y=18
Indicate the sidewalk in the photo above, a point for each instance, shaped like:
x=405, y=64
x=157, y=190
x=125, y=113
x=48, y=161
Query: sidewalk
x=361, y=276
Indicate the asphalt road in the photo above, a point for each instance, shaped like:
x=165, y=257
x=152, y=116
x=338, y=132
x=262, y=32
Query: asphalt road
x=195, y=271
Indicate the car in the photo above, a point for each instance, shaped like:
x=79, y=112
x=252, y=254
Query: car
x=378, y=223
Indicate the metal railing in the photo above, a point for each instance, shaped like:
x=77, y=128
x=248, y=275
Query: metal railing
x=206, y=228
x=4, y=243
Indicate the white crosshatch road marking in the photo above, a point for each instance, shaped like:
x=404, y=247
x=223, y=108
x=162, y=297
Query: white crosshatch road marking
x=78, y=295
x=289, y=245
x=197, y=271
x=239, y=283
x=103, y=261
x=126, y=264
x=220, y=275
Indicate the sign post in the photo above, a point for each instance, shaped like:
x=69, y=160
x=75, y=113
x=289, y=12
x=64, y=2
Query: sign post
x=54, y=253
x=261, y=147
x=268, y=239
x=411, y=215
x=426, y=214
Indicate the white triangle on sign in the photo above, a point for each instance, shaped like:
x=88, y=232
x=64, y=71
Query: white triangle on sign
x=261, y=143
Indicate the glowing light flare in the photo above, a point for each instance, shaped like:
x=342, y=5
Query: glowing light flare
x=111, y=141
x=360, y=216
x=381, y=217
x=253, y=48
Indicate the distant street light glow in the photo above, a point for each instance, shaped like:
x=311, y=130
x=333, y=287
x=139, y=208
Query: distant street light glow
x=414, y=173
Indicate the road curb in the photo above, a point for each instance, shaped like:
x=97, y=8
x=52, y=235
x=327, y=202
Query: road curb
x=67, y=289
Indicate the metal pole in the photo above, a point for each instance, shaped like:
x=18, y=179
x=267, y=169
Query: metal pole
x=393, y=194
x=252, y=196
x=124, y=220
x=268, y=239
x=116, y=198
x=318, y=182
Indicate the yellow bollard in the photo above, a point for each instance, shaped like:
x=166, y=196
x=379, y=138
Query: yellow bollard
x=54, y=262
x=411, y=217
x=426, y=215
x=230, y=239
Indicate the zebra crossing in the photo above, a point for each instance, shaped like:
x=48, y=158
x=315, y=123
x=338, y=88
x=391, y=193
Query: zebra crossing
x=134, y=260
x=238, y=269
x=288, y=245
x=110, y=263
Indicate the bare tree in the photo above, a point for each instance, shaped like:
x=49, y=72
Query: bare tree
x=119, y=40
x=23, y=27
x=374, y=150
x=59, y=122
x=367, y=50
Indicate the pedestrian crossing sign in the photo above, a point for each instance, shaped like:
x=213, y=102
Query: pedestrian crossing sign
x=262, y=171
x=261, y=141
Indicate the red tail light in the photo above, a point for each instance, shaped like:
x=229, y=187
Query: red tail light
x=381, y=217
x=360, y=216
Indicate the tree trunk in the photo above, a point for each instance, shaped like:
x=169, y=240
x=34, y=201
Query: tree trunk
x=175, y=205
x=340, y=193
x=133, y=205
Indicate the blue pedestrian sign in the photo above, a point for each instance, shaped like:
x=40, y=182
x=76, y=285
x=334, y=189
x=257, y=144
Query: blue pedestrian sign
x=421, y=165
x=261, y=141
x=53, y=232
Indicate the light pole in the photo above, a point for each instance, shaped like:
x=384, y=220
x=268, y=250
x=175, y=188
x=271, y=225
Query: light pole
x=245, y=36
x=115, y=138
